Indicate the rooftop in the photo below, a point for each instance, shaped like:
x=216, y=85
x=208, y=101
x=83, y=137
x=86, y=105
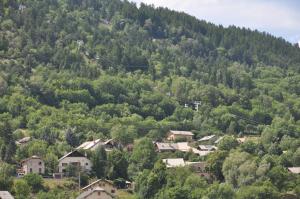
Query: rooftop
x=207, y=147
x=295, y=170
x=85, y=194
x=5, y=195
x=72, y=154
x=206, y=138
x=99, y=180
x=189, y=133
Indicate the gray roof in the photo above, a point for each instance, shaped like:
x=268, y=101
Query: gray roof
x=206, y=138
x=207, y=147
x=99, y=180
x=83, y=195
x=165, y=146
x=5, y=195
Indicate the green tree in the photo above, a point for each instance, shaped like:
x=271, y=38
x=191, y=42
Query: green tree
x=227, y=143
x=143, y=155
x=99, y=160
x=220, y=191
x=22, y=189
x=35, y=181
x=117, y=165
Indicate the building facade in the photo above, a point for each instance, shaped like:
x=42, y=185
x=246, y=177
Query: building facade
x=33, y=164
x=74, y=158
x=176, y=135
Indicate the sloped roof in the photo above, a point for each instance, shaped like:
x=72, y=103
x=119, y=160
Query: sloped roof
x=5, y=195
x=188, y=133
x=92, y=145
x=23, y=140
x=174, y=162
x=30, y=158
x=72, y=154
x=295, y=170
x=165, y=146
x=207, y=147
x=83, y=195
x=89, y=144
x=218, y=140
x=206, y=138
x=95, y=182
x=181, y=146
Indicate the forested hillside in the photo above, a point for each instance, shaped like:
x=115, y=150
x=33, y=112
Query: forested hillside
x=78, y=70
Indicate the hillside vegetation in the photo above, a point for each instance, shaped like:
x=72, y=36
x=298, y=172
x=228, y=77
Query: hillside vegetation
x=77, y=70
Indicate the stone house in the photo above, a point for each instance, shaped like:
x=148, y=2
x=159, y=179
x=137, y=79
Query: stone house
x=33, y=164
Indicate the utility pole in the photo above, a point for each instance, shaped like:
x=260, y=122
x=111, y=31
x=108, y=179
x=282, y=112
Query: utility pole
x=197, y=103
x=79, y=180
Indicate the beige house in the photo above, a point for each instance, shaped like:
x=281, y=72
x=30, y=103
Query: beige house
x=175, y=135
x=33, y=164
x=102, y=183
x=96, y=193
x=74, y=158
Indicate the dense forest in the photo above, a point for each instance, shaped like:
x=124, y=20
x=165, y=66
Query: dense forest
x=78, y=70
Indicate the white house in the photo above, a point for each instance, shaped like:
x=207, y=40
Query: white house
x=74, y=158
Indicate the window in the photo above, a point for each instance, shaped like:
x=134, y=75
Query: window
x=86, y=164
x=99, y=193
x=112, y=191
x=64, y=164
x=40, y=163
x=30, y=170
x=40, y=170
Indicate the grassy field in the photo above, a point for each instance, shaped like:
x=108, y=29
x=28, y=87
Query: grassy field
x=123, y=194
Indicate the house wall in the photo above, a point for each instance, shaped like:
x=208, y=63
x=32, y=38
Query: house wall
x=34, y=166
x=99, y=195
x=104, y=185
x=85, y=163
